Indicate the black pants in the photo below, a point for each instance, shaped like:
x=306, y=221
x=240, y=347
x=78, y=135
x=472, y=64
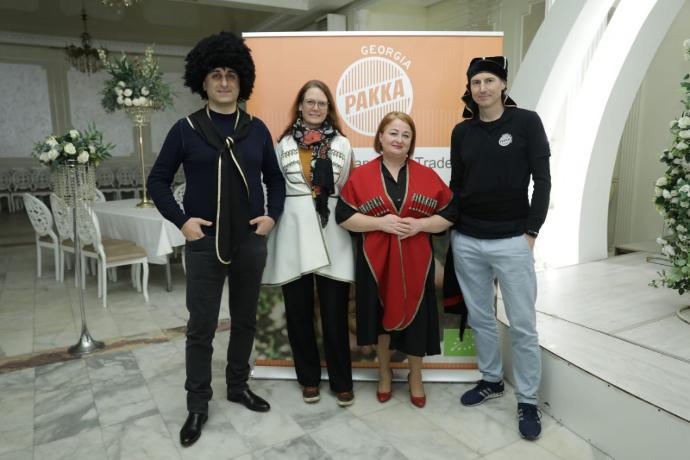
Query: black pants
x=299, y=310
x=205, y=279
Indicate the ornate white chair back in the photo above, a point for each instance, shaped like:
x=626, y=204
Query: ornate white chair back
x=125, y=176
x=87, y=226
x=5, y=181
x=178, y=193
x=40, y=179
x=99, y=197
x=63, y=217
x=5, y=189
x=21, y=179
x=39, y=215
x=105, y=177
x=136, y=175
x=179, y=177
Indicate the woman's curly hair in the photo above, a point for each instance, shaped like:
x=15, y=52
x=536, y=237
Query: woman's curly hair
x=221, y=50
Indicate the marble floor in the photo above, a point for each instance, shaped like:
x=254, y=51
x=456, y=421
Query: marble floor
x=129, y=403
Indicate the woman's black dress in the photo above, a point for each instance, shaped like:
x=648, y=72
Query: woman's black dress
x=422, y=336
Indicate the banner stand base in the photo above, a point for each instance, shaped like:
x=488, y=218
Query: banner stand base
x=371, y=374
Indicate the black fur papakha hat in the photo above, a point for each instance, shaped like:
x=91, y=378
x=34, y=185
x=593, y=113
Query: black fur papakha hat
x=224, y=49
x=497, y=65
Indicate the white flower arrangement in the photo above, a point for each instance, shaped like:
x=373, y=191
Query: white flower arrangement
x=85, y=146
x=135, y=82
x=672, y=197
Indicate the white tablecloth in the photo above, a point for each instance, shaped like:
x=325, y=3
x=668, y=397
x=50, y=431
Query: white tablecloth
x=121, y=219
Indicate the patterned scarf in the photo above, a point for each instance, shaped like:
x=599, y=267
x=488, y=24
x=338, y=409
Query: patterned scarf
x=319, y=142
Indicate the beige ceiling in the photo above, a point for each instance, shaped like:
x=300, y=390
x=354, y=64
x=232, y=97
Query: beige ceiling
x=174, y=22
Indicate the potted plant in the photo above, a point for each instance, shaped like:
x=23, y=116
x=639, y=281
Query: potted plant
x=672, y=197
x=136, y=82
x=82, y=151
x=137, y=87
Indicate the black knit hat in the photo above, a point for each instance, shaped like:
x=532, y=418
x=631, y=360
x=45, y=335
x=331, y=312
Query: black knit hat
x=497, y=65
x=220, y=50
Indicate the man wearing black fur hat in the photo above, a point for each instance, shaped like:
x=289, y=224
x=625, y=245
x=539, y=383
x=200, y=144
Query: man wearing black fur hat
x=494, y=154
x=225, y=152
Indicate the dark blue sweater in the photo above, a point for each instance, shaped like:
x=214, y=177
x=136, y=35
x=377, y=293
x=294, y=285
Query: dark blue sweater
x=184, y=146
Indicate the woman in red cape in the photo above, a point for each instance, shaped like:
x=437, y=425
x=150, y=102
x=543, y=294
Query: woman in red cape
x=394, y=204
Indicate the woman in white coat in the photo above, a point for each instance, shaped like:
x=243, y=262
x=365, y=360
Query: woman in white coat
x=307, y=246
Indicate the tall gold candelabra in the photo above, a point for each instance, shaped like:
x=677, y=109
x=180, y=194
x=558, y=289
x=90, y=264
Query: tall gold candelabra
x=141, y=116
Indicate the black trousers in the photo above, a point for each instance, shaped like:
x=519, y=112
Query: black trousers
x=205, y=278
x=299, y=311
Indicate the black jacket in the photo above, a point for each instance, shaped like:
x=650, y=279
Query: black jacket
x=492, y=164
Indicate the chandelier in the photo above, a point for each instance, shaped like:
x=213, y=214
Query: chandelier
x=119, y=3
x=84, y=58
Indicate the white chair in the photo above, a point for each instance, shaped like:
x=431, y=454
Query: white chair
x=6, y=190
x=40, y=181
x=42, y=221
x=178, y=194
x=99, y=197
x=105, y=181
x=65, y=229
x=110, y=255
x=126, y=181
x=179, y=177
x=21, y=183
x=136, y=175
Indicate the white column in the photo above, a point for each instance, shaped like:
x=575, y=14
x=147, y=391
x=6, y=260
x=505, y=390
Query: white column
x=582, y=180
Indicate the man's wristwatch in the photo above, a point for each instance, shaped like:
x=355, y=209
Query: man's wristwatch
x=532, y=233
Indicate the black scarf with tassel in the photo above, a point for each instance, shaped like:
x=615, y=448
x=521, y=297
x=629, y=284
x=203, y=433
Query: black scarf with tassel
x=319, y=142
x=233, y=215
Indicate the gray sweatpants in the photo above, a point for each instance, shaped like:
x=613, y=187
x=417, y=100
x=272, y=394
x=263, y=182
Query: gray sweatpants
x=477, y=262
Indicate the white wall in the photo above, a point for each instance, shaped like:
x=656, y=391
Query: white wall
x=42, y=95
x=519, y=20
x=392, y=15
x=69, y=101
x=647, y=136
x=468, y=15
x=511, y=19
x=19, y=125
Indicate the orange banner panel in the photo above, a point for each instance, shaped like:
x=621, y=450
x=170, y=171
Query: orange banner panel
x=369, y=75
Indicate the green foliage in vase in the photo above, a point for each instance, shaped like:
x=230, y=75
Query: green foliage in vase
x=85, y=146
x=136, y=82
x=271, y=340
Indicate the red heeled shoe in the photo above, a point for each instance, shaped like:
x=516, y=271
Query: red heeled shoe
x=384, y=396
x=419, y=401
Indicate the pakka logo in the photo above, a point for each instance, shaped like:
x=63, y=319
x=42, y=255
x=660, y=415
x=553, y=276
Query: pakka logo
x=373, y=86
x=505, y=140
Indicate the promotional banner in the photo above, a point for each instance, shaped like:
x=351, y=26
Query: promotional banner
x=370, y=74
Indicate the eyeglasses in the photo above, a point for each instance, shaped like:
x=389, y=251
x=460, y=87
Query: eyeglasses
x=310, y=103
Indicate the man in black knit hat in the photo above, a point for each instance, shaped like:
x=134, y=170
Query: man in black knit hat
x=225, y=153
x=494, y=154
